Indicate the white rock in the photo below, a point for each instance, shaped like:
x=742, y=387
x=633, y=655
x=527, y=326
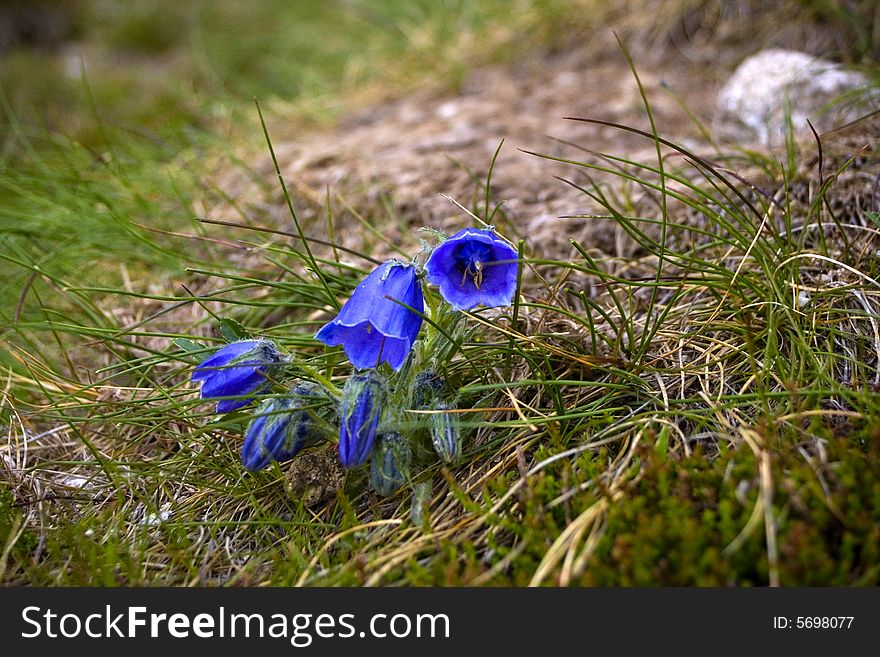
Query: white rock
x=752, y=105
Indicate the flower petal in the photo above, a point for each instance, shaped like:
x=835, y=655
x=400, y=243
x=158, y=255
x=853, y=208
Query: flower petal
x=253, y=456
x=232, y=381
x=222, y=357
x=365, y=345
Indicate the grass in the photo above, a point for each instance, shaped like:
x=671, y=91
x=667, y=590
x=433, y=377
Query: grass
x=703, y=412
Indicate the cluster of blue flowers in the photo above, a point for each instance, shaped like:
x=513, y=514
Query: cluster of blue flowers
x=379, y=325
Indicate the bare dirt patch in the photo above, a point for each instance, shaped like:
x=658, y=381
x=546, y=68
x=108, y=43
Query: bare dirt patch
x=391, y=163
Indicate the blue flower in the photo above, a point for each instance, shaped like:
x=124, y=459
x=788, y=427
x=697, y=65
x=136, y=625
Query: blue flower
x=373, y=327
x=239, y=369
x=280, y=429
x=474, y=267
x=389, y=467
x=361, y=409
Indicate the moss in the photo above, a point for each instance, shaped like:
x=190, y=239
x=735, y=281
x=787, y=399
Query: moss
x=674, y=523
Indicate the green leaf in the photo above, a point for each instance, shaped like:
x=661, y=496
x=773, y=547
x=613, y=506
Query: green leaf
x=232, y=331
x=196, y=352
x=662, y=444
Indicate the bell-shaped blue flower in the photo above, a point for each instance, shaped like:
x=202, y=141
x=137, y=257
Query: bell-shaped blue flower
x=389, y=467
x=474, y=267
x=240, y=369
x=361, y=409
x=372, y=326
x=281, y=427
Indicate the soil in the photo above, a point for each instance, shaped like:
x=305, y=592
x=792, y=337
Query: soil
x=401, y=157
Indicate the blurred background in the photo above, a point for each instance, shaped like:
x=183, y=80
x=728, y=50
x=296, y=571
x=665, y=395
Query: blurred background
x=163, y=65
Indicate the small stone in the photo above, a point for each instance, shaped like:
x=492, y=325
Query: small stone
x=314, y=476
x=752, y=105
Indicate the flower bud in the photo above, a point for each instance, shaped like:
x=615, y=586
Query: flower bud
x=280, y=429
x=389, y=467
x=239, y=370
x=445, y=433
x=362, y=401
x=427, y=388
